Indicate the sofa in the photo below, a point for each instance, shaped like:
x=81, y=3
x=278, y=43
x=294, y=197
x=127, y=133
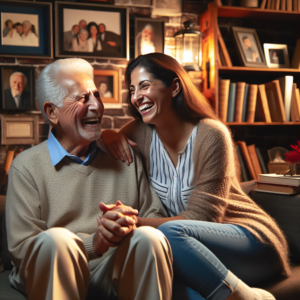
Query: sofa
x=284, y=209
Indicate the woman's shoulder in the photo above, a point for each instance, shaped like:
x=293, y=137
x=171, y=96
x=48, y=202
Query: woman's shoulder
x=211, y=126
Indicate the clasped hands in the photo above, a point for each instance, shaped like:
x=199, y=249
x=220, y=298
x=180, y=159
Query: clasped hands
x=115, y=222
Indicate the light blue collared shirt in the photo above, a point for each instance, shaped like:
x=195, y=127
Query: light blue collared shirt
x=57, y=152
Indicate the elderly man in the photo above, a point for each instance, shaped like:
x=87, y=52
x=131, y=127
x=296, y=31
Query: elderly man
x=16, y=97
x=60, y=245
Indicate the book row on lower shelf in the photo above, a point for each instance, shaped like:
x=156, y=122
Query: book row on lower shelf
x=285, y=5
x=274, y=101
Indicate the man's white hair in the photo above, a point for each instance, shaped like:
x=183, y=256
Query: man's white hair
x=50, y=84
x=19, y=73
x=28, y=23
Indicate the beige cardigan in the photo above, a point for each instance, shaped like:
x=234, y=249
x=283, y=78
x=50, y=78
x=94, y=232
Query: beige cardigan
x=217, y=196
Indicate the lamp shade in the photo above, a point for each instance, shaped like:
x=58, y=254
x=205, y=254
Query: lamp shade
x=188, y=47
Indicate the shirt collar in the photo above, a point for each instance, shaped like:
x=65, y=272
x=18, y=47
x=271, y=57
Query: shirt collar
x=57, y=152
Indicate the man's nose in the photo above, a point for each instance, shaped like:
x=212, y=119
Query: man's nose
x=94, y=103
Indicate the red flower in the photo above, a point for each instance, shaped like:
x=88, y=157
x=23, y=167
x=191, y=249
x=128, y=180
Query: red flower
x=293, y=156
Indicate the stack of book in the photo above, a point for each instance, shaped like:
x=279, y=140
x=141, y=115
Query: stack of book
x=288, y=5
x=278, y=184
x=275, y=101
x=251, y=161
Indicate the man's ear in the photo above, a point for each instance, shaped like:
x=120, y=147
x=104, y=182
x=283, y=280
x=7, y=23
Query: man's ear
x=176, y=87
x=50, y=112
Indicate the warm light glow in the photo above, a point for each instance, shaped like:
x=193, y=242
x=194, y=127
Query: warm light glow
x=187, y=57
x=147, y=49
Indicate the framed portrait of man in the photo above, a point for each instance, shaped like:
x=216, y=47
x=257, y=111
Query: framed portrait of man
x=108, y=84
x=17, y=88
x=91, y=31
x=149, y=36
x=26, y=29
x=248, y=47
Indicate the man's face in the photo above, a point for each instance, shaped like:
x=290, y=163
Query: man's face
x=147, y=34
x=17, y=84
x=20, y=29
x=101, y=28
x=76, y=29
x=80, y=116
x=247, y=43
x=82, y=24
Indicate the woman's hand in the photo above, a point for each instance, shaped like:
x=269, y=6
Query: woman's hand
x=117, y=145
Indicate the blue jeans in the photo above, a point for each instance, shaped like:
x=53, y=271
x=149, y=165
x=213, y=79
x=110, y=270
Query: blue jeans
x=203, y=252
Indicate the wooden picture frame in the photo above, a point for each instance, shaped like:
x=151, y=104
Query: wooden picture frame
x=108, y=83
x=151, y=34
x=171, y=8
x=17, y=88
x=26, y=29
x=248, y=47
x=73, y=38
x=277, y=56
x=19, y=129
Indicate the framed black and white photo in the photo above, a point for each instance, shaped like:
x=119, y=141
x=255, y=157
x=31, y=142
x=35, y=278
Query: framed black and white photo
x=108, y=83
x=248, y=47
x=149, y=36
x=91, y=31
x=17, y=88
x=277, y=56
x=26, y=29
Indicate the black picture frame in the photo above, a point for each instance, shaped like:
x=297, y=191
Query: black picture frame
x=34, y=45
x=115, y=18
x=154, y=28
x=248, y=47
x=8, y=83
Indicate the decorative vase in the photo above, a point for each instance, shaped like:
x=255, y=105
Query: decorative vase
x=295, y=168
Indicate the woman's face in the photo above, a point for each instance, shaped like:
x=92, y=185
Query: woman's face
x=93, y=30
x=83, y=36
x=149, y=96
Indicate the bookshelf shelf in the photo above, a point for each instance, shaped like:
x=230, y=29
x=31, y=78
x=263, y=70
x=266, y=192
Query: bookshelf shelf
x=257, y=70
x=256, y=13
x=261, y=123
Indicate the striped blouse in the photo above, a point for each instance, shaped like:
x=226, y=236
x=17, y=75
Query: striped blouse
x=172, y=185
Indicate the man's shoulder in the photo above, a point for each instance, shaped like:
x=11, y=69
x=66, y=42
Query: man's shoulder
x=32, y=156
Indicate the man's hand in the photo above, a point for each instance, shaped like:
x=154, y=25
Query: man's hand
x=112, y=228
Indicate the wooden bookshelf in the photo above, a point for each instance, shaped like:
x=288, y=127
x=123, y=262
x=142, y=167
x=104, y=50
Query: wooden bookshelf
x=261, y=123
x=286, y=71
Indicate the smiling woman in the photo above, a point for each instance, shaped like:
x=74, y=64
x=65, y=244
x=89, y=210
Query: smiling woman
x=189, y=158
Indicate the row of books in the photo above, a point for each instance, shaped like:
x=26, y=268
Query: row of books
x=251, y=161
x=286, y=5
x=275, y=101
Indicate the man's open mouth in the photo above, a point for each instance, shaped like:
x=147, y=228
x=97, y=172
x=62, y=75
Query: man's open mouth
x=91, y=121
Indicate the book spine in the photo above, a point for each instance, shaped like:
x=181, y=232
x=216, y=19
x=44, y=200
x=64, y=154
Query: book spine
x=263, y=4
x=9, y=158
x=249, y=3
x=296, y=56
x=295, y=5
x=223, y=48
x=223, y=99
x=245, y=103
x=254, y=160
x=231, y=102
x=240, y=91
x=283, y=5
x=244, y=172
x=246, y=156
x=289, y=5
x=295, y=117
x=279, y=100
x=277, y=4
x=298, y=101
x=263, y=104
x=252, y=103
x=298, y=5
x=261, y=161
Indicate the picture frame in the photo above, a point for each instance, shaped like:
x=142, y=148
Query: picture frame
x=19, y=129
x=17, y=88
x=272, y=153
x=149, y=36
x=108, y=38
x=248, y=47
x=108, y=83
x=26, y=29
x=277, y=56
x=171, y=8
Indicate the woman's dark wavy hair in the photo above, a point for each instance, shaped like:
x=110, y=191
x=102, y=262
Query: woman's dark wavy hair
x=88, y=27
x=189, y=104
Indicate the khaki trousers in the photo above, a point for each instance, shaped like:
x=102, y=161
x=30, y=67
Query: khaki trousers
x=56, y=268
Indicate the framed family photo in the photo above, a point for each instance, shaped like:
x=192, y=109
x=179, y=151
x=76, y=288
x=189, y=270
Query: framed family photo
x=149, y=36
x=91, y=31
x=277, y=56
x=17, y=88
x=108, y=83
x=26, y=29
x=248, y=46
